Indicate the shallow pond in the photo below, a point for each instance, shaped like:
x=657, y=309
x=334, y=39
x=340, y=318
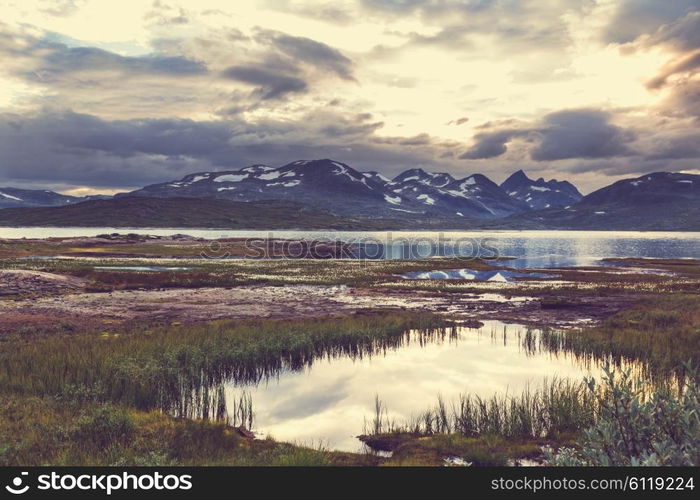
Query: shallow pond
x=329, y=402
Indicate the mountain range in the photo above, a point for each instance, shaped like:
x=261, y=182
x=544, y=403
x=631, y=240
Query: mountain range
x=13, y=197
x=414, y=198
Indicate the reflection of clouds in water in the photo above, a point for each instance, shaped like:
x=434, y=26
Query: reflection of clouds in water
x=306, y=400
x=330, y=401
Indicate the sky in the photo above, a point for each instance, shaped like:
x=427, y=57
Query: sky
x=98, y=96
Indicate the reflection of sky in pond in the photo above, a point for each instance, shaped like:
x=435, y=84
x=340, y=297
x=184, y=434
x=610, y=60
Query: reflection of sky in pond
x=470, y=274
x=329, y=402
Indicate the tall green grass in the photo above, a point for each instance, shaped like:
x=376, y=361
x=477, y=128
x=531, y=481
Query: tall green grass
x=662, y=333
x=181, y=369
x=557, y=406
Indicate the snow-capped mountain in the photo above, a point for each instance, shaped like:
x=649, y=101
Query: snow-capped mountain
x=14, y=197
x=485, y=194
x=658, y=201
x=377, y=177
x=341, y=189
x=333, y=191
x=327, y=183
x=420, y=176
x=539, y=194
x=473, y=196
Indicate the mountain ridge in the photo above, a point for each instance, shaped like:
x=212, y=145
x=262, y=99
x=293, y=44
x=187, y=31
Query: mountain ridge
x=659, y=200
x=540, y=194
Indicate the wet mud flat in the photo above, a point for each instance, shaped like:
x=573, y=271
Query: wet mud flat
x=304, y=301
x=38, y=288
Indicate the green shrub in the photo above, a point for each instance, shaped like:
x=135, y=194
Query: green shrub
x=105, y=426
x=638, y=428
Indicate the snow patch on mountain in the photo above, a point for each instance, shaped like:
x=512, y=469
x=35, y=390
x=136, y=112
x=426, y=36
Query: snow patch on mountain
x=426, y=199
x=10, y=196
x=231, y=178
x=269, y=176
x=286, y=184
x=198, y=178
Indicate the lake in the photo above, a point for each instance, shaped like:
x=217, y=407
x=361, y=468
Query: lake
x=329, y=401
x=531, y=248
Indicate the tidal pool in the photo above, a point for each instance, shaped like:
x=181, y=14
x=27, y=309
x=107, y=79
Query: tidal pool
x=330, y=400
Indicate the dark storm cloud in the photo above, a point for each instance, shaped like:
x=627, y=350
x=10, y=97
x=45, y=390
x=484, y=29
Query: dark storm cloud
x=271, y=84
x=309, y=51
x=51, y=59
x=287, y=63
x=62, y=59
x=125, y=138
x=638, y=17
x=684, y=101
x=86, y=150
x=417, y=140
x=561, y=135
x=492, y=144
x=682, y=146
x=581, y=134
x=49, y=150
x=682, y=34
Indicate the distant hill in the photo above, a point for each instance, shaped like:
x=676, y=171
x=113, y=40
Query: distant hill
x=15, y=197
x=172, y=212
x=210, y=213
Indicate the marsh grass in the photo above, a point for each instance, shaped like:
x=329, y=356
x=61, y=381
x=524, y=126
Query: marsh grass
x=44, y=430
x=237, y=272
x=180, y=369
x=663, y=333
x=556, y=407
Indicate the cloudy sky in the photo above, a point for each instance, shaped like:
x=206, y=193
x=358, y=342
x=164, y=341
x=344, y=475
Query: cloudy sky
x=105, y=96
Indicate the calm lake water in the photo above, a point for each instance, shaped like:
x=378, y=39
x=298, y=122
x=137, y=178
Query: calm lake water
x=532, y=248
x=329, y=402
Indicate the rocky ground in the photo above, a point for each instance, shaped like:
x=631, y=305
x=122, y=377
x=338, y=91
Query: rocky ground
x=23, y=282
